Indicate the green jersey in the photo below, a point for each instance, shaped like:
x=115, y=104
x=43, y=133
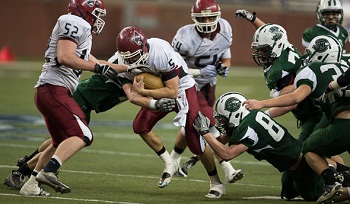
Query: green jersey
x=318, y=75
x=267, y=140
x=101, y=93
x=310, y=33
x=288, y=64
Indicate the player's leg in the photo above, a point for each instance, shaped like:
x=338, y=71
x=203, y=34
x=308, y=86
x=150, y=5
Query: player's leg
x=196, y=144
x=324, y=142
x=155, y=142
x=179, y=148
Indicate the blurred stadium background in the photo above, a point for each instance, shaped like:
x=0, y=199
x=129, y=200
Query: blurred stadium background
x=27, y=24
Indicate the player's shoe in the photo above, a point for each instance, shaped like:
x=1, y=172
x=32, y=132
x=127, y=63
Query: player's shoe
x=33, y=190
x=330, y=192
x=234, y=176
x=216, y=191
x=169, y=171
x=14, y=180
x=22, y=161
x=188, y=164
x=50, y=179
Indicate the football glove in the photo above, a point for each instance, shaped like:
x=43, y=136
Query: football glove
x=106, y=70
x=201, y=124
x=208, y=71
x=241, y=13
x=222, y=70
x=274, y=93
x=136, y=68
x=165, y=104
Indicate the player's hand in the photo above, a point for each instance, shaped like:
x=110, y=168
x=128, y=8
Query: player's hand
x=201, y=124
x=165, y=104
x=253, y=104
x=106, y=70
x=208, y=71
x=242, y=13
x=222, y=70
x=138, y=86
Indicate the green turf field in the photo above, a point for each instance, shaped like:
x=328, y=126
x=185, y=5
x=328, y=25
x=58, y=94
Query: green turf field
x=119, y=167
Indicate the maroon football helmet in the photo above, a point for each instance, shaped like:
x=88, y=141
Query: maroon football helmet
x=206, y=9
x=132, y=45
x=89, y=10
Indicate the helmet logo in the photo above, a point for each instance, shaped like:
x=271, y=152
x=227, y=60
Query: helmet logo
x=276, y=33
x=232, y=104
x=91, y=3
x=137, y=38
x=321, y=45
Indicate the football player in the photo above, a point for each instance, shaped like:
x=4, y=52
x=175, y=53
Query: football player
x=258, y=134
x=97, y=93
x=323, y=65
x=205, y=46
x=158, y=57
x=67, y=55
x=330, y=17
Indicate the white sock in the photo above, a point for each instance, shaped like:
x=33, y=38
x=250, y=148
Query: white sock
x=215, y=179
x=227, y=167
x=58, y=159
x=166, y=158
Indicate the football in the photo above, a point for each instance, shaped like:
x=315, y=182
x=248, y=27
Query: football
x=151, y=81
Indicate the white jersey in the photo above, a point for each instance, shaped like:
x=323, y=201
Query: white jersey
x=68, y=27
x=162, y=59
x=199, y=52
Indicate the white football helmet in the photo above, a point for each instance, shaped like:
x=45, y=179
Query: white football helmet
x=324, y=49
x=269, y=41
x=203, y=9
x=229, y=111
x=325, y=6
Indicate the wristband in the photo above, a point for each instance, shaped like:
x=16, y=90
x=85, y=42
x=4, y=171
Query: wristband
x=267, y=112
x=334, y=85
x=254, y=17
x=152, y=104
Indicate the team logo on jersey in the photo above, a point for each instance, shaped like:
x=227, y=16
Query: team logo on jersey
x=232, y=104
x=137, y=38
x=277, y=33
x=321, y=45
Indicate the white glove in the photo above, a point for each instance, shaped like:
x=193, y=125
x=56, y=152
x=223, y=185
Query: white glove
x=201, y=124
x=241, y=13
x=274, y=93
x=136, y=68
x=208, y=71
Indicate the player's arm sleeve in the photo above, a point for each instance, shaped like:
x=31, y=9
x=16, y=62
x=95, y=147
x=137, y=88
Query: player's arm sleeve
x=344, y=79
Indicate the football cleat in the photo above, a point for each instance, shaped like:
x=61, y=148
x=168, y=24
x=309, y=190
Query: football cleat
x=33, y=190
x=22, y=161
x=51, y=179
x=330, y=192
x=216, y=191
x=14, y=180
x=188, y=164
x=169, y=171
x=235, y=176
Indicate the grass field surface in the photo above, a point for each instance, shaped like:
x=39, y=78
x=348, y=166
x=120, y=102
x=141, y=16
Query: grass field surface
x=119, y=167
